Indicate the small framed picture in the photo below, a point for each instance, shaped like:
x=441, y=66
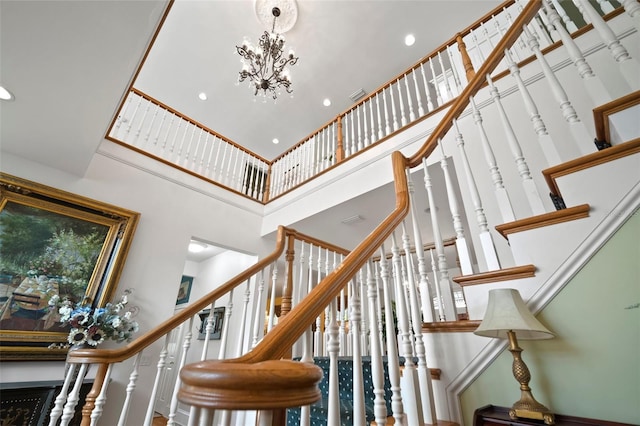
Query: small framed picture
x=218, y=320
x=184, y=290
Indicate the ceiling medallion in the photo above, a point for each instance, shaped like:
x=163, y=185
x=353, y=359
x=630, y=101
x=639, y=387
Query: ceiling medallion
x=265, y=66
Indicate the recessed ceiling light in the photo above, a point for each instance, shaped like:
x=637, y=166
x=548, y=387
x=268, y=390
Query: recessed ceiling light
x=409, y=40
x=196, y=247
x=275, y=140
x=326, y=102
x=202, y=96
x=5, y=94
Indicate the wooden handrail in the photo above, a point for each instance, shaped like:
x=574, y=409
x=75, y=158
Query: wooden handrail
x=476, y=83
x=422, y=60
x=99, y=356
x=205, y=383
x=198, y=124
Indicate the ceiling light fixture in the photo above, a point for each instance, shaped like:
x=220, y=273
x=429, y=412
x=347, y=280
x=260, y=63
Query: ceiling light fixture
x=275, y=141
x=265, y=65
x=202, y=96
x=196, y=247
x=5, y=94
x=326, y=102
x=409, y=40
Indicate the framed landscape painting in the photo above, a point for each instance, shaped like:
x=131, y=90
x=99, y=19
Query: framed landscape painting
x=54, y=243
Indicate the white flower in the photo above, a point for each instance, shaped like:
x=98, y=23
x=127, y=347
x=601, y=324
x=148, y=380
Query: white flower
x=65, y=312
x=116, y=322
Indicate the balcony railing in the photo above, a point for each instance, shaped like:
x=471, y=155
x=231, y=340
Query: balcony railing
x=150, y=127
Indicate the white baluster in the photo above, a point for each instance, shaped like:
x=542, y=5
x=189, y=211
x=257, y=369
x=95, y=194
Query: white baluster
x=166, y=134
x=353, y=133
x=101, y=399
x=365, y=129
x=412, y=114
x=504, y=204
x=425, y=293
x=74, y=396
x=364, y=313
x=454, y=70
x=629, y=66
x=222, y=354
x=569, y=24
x=426, y=89
x=122, y=117
x=142, y=121
x=544, y=138
x=424, y=376
x=259, y=317
x=360, y=140
x=474, y=39
x=632, y=7
x=578, y=130
x=444, y=281
x=409, y=379
x=134, y=115
x=186, y=344
x=594, y=85
x=530, y=190
x=436, y=86
x=184, y=136
x=61, y=398
x=387, y=123
x=131, y=386
x=417, y=92
x=488, y=248
x=333, y=346
x=162, y=362
x=393, y=360
x=160, y=127
x=605, y=6
x=195, y=151
x=393, y=109
x=373, y=121
x=403, y=118
x=343, y=320
x=380, y=132
x=377, y=374
x=272, y=303
x=462, y=248
x=442, y=316
x=355, y=320
x=243, y=318
x=445, y=77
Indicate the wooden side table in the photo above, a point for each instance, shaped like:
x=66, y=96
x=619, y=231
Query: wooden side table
x=491, y=415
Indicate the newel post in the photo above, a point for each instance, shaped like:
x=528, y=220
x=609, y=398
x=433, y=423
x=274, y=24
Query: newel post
x=340, y=147
x=90, y=400
x=466, y=60
x=287, y=290
x=267, y=185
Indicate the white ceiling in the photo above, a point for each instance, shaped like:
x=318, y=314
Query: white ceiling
x=69, y=64
x=343, y=46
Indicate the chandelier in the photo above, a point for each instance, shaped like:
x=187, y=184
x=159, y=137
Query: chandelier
x=265, y=65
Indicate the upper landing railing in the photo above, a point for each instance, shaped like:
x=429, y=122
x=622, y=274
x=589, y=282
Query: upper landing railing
x=154, y=129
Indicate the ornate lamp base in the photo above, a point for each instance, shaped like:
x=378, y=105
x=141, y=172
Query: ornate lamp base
x=527, y=407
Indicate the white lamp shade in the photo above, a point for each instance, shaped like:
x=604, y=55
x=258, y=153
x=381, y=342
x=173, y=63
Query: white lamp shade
x=506, y=311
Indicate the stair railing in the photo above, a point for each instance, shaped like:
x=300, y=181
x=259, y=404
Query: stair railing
x=210, y=385
x=359, y=276
x=256, y=291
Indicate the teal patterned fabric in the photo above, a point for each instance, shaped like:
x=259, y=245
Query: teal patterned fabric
x=320, y=410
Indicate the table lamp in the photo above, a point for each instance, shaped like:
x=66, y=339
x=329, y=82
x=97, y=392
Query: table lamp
x=506, y=317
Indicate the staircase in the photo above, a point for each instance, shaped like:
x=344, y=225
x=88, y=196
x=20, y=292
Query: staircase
x=334, y=299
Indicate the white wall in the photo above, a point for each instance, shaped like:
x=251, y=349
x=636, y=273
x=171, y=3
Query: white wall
x=171, y=213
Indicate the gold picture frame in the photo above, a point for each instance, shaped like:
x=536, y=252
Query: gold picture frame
x=53, y=242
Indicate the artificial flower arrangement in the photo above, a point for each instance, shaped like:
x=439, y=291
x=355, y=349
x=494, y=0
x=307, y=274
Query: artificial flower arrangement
x=95, y=325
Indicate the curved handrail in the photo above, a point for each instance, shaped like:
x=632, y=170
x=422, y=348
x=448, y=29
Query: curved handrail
x=276, y=343
x=125, y=352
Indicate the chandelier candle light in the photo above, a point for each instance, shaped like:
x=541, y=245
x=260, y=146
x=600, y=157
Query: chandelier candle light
x=265, y=65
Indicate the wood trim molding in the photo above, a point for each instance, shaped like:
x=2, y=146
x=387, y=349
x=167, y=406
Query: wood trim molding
x=435, y=373
x=601, y=114
x=559, y=216
x=590, y=160
x=505, y=274
x=463, y=326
